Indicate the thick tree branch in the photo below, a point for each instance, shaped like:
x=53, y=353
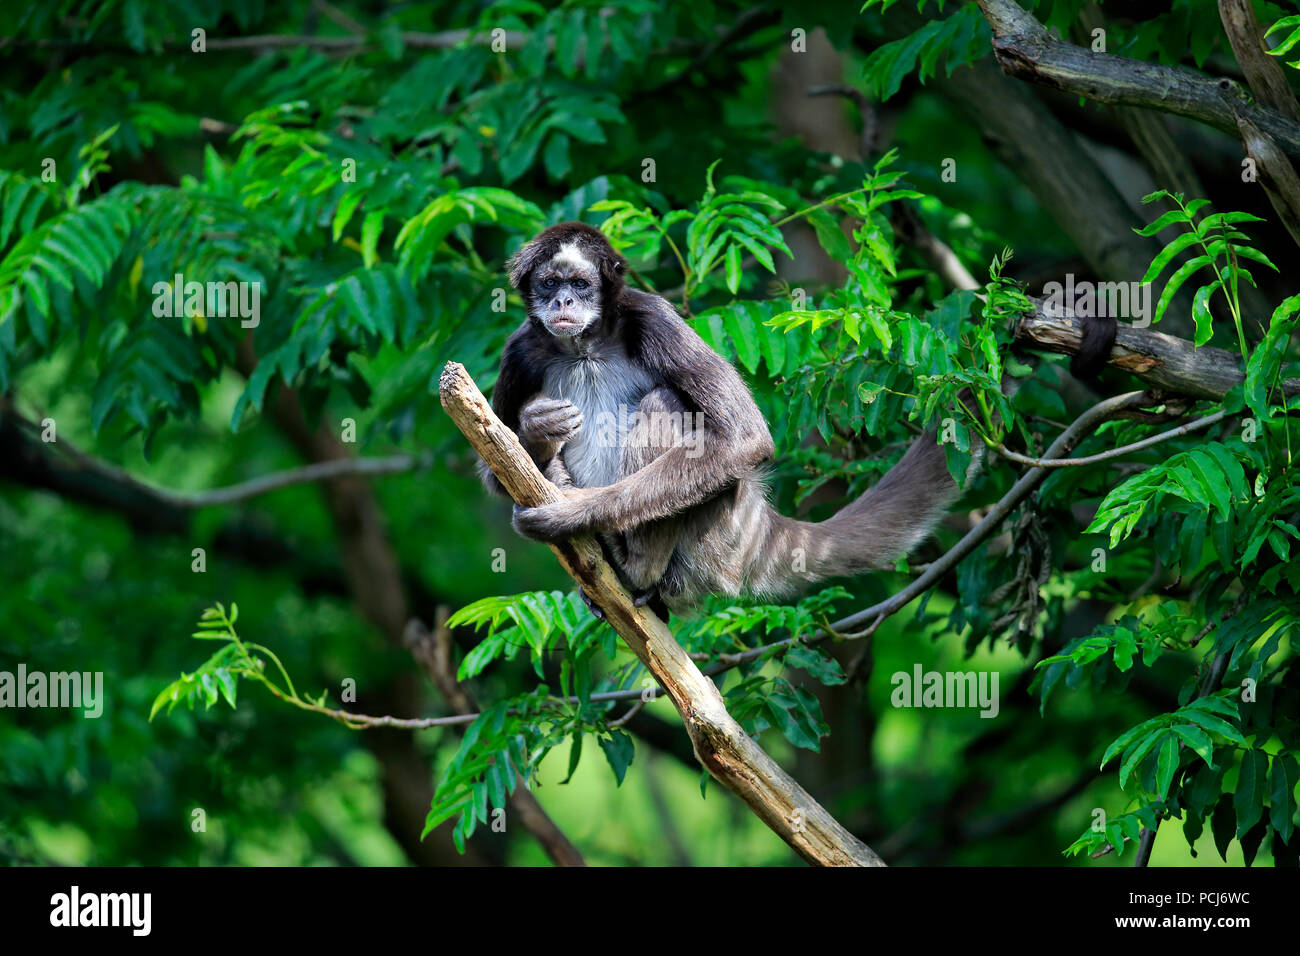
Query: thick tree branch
x=1164, y=361
x=721, y=744
x=1025, y=49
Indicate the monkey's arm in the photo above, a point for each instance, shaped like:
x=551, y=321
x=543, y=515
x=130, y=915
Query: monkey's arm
x=725, y=441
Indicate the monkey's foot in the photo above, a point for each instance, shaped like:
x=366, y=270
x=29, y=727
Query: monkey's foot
x=556, y=521
x=592, y=606
x=644, y=596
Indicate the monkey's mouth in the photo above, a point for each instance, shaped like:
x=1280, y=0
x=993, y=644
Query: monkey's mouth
x=565, y=325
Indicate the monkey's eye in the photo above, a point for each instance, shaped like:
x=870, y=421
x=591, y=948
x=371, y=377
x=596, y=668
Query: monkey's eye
x=548, y=283
x=580, y=283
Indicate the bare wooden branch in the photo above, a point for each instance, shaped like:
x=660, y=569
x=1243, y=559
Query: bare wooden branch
x=1112, y=454
x=1165, y=361
x=720, y=743
x=1025, y=49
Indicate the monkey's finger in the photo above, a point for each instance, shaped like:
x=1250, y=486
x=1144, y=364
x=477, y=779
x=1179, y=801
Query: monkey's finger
x=558, y=431
x=543, y=406
x=558, y=423
x=558, y=411
x=554, y=420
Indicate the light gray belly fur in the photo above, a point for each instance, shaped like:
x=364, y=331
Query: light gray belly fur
x=607, y=387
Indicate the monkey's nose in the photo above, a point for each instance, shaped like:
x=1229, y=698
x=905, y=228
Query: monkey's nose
x=564, y=303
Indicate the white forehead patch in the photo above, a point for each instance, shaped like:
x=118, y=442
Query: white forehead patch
x=571, y=256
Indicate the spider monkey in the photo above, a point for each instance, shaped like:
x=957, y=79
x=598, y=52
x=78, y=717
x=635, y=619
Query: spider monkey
x=659, y=447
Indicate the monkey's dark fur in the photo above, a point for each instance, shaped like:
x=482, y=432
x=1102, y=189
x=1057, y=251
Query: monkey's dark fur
x=677, y=497
x=1094, y=350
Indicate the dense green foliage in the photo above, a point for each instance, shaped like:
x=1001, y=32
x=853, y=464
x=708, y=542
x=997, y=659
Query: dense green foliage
x=1141, y=612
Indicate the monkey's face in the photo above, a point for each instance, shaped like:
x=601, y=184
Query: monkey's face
x=564, y=293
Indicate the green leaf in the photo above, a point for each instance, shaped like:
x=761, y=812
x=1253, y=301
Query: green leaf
x=1138, y=753
x=619, y=750
x=371, y=227
x=575, y=754
x=1248, y=799
x=1122, y=741
x=555, y=156
x=783, y=720
x=1125, y=649
x=1176, y=282
x=1213, y=483
x=745, y=338
x=439, y=814
x=168, y=695
x=821, y=666
x=1166, y=220
x=347, y=206
x=1198, y=740
x=1281, y=798
x=1201, y=312
x=1166, y=765
x=732, y=261
x=1221, y=824
x=1215, y=725
x=1167, y=254
x=227, y=682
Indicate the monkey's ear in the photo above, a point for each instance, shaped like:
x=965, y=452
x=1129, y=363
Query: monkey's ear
x=612, y=266
x=529, y=257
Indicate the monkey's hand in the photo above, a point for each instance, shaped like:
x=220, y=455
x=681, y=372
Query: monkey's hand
x=547, y=423
x=558, y=520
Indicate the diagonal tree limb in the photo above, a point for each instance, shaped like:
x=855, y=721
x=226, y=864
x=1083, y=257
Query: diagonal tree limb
x=1024, y=48
x=720, y=743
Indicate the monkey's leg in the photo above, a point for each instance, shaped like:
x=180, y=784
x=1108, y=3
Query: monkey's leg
x=659, y=423
x=557, y=473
